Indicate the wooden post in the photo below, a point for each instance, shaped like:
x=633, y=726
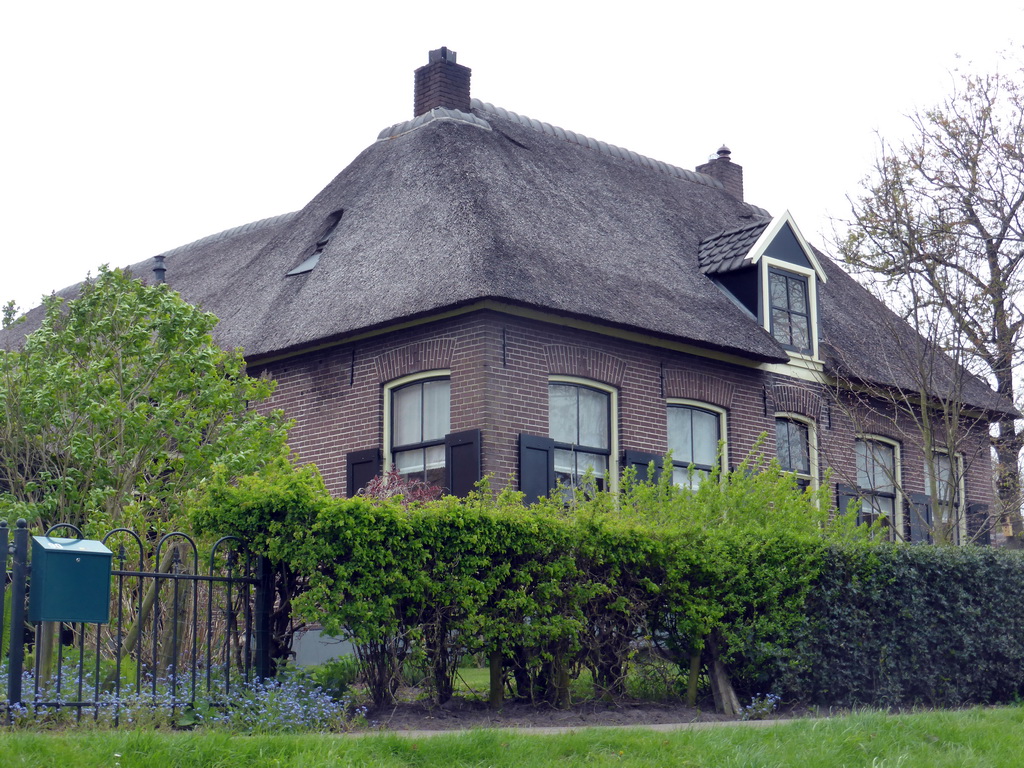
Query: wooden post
x=19, y=589
x=725, y=697
x=691, y=686
x=497, y=694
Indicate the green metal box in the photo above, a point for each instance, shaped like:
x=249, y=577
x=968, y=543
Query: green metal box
x=70, y=581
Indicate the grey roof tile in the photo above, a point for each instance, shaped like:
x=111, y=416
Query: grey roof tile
x=727, y=251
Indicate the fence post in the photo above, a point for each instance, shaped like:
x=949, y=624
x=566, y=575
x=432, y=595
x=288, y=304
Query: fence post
x=5, y=534
x=19, y=583
x=264, y=606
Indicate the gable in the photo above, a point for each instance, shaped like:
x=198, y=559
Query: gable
x=785, y=247
x=782, y=243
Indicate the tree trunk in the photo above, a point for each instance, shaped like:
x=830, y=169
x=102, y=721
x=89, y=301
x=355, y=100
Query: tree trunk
x=1008, y=448
x=497, y=679
x=721, y=688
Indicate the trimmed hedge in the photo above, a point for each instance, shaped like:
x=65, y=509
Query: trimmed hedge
x=901, y=625
x=799, y=602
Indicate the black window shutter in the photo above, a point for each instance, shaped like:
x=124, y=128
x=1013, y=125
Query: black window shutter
x=920, y=511
x=979, y=527
x=536, y=466
x=640, y=461
x=361, y=468
x=462, y=461
x=844, y=495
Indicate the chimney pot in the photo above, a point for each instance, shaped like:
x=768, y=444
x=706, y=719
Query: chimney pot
x=726, y=171
x=441, y=54
x=159, y=270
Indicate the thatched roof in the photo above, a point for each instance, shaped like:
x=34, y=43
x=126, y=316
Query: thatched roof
x=453, y=208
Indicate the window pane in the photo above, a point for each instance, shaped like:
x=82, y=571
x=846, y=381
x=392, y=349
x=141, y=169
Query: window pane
x=596, y=464
x=944, y=480
x=593, y=418
x=801, y=333
x=406, y=415
x=884, y=505
x=685, y=478
x=777, y=288
x=435, y=476
x=800, y=450
x=433, y=456
x=562, y=413
x=780, y=326
x=885, y=468
x=436, y=410
x=565, y=464
x=863, y=465
x=876, y=467
x=680, y=435
x=591, y=461
x=705, y=438
x=797, y=295
x=409, y=461
x=782, y=444
x=792, y=446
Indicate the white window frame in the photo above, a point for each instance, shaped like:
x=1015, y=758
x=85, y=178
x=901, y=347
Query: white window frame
x=723, y=431
x=812, y=442
x=769, y=264
x=613, y=420
x=389, y=389
x=897, y=480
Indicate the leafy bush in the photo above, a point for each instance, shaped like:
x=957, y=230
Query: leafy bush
x=903, y=625
x=551, y=589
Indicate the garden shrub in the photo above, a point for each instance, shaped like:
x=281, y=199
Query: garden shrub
x=904, y=625
x=798, y=599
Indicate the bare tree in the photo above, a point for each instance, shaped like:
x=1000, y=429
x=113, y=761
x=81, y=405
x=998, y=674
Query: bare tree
x=939, y=227
x=925, y=402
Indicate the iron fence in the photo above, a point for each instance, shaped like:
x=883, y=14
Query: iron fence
x=183, y=626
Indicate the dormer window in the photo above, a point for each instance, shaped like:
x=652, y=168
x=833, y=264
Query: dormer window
x=771, y=273
x=790, y=310
x=311, y=257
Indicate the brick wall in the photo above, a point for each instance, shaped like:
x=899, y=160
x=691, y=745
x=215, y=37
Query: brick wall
x=441, y=83
x=500, y=366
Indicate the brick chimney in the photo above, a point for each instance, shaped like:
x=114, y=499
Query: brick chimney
x=441, y=83
x=726, y=171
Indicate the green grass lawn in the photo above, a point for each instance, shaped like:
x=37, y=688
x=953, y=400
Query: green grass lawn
x=974, y=738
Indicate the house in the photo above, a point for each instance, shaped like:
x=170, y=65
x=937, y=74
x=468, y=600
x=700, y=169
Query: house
x=481, y=293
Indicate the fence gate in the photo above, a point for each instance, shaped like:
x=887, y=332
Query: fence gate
x=183, y=625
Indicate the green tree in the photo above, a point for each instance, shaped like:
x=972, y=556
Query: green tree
x=940, y=228
x=116, y=410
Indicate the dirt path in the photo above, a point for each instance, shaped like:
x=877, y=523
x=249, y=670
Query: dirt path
x=417, y=718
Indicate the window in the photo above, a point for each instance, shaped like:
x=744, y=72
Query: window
x=693, y=436
x=876, y=480
x=580, y=424
x=793, y=448
x=311, y=257
x=790, y=310
x=419, y=421
x=944, y=485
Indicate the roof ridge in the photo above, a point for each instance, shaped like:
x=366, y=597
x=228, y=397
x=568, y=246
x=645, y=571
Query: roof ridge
x=600, y=146
x=252, y=226
x=438, y=113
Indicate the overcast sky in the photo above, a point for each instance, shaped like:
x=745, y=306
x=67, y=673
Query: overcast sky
x=130, y=128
